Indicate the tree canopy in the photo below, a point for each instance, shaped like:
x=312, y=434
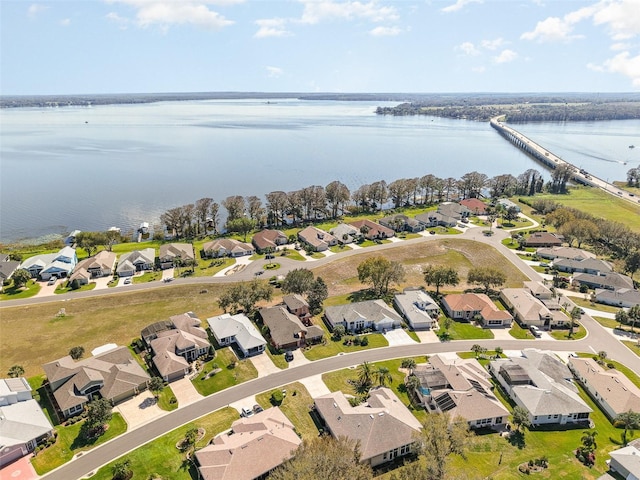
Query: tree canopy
x=440, y=276
x=487, y=277
x=245, y=295
x=380, y=273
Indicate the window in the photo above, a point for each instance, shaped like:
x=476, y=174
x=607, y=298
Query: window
x=555, y=416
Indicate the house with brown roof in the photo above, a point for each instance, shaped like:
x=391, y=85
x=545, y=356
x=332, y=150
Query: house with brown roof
x=384, y=428
x=374, y=231
x=610, y=388
x=176, y=344
x=318, y=240
x=469, y=306
x=252, y=448
x=114, y=375
x=297, y=305
x=461, y=387
x=541, y=384
x=176, y=252
x=81, y=276
x=226, y=247
x=269, y=239
x=542, y=239
x=474, y=205
x=286, y=330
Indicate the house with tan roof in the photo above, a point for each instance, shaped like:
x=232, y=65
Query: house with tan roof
x=541, y=384
x=418, y=308
x=23, y=424
x=114, y=375
x=469, y=306
x=239, y=331
x=172, y=252
x=384, y=428
x=542, y=239
x=529, y=310
x=539, y=290
x=102, y=264
x=571, y=253
x=136, y=261
x=176, y=344
x=461, y=387
x=355, y=317
x=251, y=449
x=318, y=240
x=610, y=388
x=269, y=239
x=374, y=231
x=287, y=331
x=226, y=247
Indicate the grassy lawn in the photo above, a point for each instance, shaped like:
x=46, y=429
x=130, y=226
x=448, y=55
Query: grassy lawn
x=413, y=335
x=633, y=346
x=338, y=380
x=581, y=302
x=518, y=223
x=295, y=406
x=340, y=248
x=148, y=277
x=66, y=288
x=466, y=331
x=606, y=322
x=29, y=290
x=69, y=443
x=209, y=267
x=276, y=358
x=563, y=334
x=229, y=375
x=520, y=333
x=331, y=348
x=165, y=399
x=128, y=247
x=161, y=458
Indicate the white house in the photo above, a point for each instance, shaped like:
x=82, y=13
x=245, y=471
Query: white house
x=238, y=329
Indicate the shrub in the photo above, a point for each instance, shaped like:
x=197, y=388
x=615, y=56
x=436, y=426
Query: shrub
x=276, y=398
x=364, y=342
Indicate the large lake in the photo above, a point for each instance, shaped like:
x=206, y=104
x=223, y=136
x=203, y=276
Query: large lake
x=91, y=168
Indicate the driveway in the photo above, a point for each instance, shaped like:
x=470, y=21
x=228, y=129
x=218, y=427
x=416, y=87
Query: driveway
x=398, y=337
x=298, y=359
x=139, y=409
x=427, y=336
x=19, y=470
x=241, y=264
x=185, y=392
x=264, y=365
x=101, y=282
x=315, y=386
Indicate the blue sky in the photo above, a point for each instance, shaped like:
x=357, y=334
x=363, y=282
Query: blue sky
x=130, y=46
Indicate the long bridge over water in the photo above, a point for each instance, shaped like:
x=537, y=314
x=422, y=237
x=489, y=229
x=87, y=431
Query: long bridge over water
x=552, y=161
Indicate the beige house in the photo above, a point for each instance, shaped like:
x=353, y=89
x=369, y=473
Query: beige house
x=251, y=449
x=469, y=306
x=374, y=231
x=318, y=240
x=102, y=264
x=611, y=389
x=114, y=375
x=528, y=310
x=384, y=428
x=170, y=252
x=269, y=239
x=226, y=247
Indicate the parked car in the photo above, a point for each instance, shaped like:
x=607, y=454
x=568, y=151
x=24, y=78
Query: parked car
x=288, y=356
x=257, y=408
x=168, y=279
x=52, y=281
x=127, y=281
x=535, y=331
x=246, y=412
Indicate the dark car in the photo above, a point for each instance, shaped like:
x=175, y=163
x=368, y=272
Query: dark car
x=288, y=356
x=257, y=408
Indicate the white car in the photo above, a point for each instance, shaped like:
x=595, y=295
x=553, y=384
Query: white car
x=535, y=331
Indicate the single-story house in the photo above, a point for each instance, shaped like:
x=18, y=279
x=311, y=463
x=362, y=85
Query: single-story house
x=539, y=290
x=345, y=233
x=462, y=388
x=469, y=306
x=454, y=210
x=114, y=375
x=383, y=427
x=418, y=308
x=357, y=316
x=237, y=329
x=611, y=389
x=172, y=252
x=252, y=448
x=588, y=265
x=45, y=266
x=226, y=247
x=401, y=223
x=374, y=231
x=269, y=239
x=23, y=424
x=625, y=461
x=297, y=305
x=318, y=240
x=286, y=330
x=541, y=384
x=7, y=267
x=475, y=206
x=435, y=219
x=175, y=344
x=102, y=264
x=136, y=261
x=623, y=297
x=571, y=253
x=81, y=276
x=542, y=239
x=507, y=204
x=529, y=310
x=609, y=281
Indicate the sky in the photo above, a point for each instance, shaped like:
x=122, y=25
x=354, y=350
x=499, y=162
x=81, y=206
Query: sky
x=418, y=46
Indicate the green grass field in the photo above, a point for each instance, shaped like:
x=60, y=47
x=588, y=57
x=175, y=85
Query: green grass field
x=233, y=372
x=12, y=293
x=466, y=331
x=296, y=406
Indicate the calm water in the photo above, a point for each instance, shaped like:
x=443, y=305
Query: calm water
x=119, y=165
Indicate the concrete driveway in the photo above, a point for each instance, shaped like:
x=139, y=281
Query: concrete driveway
x=264, y=365
x=298, y=359
x=139, y=409
x=427, y=336
x=185, y=392
x=315, y=386
x=398, y=337
x=19, y=470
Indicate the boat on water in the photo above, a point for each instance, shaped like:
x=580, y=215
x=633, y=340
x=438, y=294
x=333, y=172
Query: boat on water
x=632, y=146
x=144, y=228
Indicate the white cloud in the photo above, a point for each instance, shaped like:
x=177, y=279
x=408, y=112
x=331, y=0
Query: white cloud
x=621, y=17
x=468, y=48
x=316, y=11
x=552, y=29
x=623, y=64
x=505, y=56
x=492, y=44
x=35, y=8
x=385, y=31
x=274, y=72
x=185, y=12
x=272, y=27
x=459, y=5
x=121, y=21
x=65, y=22
x=616, y=47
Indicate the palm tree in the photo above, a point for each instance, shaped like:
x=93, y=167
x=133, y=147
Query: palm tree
x=476, y=349
x=602, y=356
x=520, y=418
x=412, y=382
x=409, y=364
x=589, y=440
x=630, y=421
x=383, y=377
x=365, y=373
x=498, y=351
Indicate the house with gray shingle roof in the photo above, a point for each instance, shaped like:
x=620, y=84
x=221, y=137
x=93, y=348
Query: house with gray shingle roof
x=237, y=329
x=461, y=387
x=45, y=266
x=418, y=308
x=286, y=330
x=23, y=424
x=625, y=461
x=226, y=247
x=251, y=449
x=623, y=297
x=588, y=265
x=384, y=428
x=7, y=267
x=317, y=239
x=114, y=375
x=608, y=281
x=345, y=233
x=136, y=261
x=571, y=253
x=541, y=384
x=401, y=223
x=171, y=252
x=357, y=316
